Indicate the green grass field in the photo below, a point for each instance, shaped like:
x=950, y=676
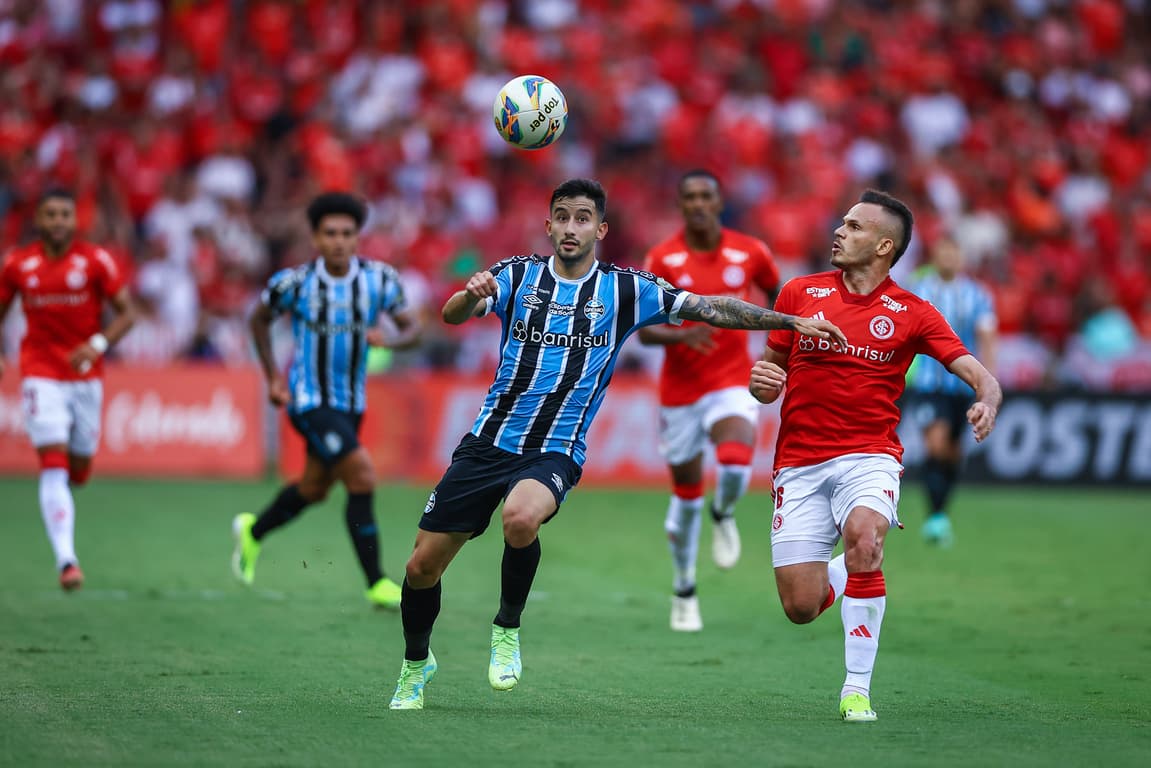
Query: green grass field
x=1028, y=644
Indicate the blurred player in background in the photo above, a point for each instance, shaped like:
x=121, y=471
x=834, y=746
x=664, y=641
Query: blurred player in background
x=564, y=318
x=837, y=467
x=936, y=401
x=63, y=285
x=703, y=383
x=335, y=303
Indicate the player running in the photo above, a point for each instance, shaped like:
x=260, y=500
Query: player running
x=703, y=383
x=335, y=303
x=63, y=286
x=837, y=467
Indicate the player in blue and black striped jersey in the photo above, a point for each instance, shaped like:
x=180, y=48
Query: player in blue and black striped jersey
x=564, y=318
x=335, y=304
x=936, y=400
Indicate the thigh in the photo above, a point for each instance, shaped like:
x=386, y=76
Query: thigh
x=730, y=414
x=554, y=474
x=866, y=480
x=47, y=417
x=682, y=436
x=85, y=404
x=802, y=528
x=471, y=488
x=329, y=434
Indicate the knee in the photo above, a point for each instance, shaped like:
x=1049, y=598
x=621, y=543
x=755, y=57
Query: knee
x=520, y=527
x=865, y=554
x=313, y=493
x=800, y=611
x=422, y=572
x=360, y=477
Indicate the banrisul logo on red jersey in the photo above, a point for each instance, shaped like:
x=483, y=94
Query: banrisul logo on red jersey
x=862, y=351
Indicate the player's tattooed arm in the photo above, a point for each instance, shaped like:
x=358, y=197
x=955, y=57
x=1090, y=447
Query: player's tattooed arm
x=728, y=312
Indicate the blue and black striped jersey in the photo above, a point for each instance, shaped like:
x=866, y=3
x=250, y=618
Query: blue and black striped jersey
x=559, y=345
x=967, y=306
x=330, y=319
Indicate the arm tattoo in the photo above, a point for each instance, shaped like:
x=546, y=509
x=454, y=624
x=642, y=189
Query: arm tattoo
x=726, y=312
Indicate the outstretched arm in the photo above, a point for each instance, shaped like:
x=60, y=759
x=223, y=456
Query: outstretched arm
x=469, y=302
x=988, y=394
x=726, y=312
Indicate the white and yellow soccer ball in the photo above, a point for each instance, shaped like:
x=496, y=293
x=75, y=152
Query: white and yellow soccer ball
x=530, y=112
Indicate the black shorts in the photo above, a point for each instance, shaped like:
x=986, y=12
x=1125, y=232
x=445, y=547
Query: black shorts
x=481, y=476
x=924, y=408
x=330, y=434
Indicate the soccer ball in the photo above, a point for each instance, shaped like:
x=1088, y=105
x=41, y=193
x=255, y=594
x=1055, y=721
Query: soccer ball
x=530, y=112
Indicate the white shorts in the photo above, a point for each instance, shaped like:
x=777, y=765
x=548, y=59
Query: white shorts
x=683, y=429
x=63, y=412
x=812, y=503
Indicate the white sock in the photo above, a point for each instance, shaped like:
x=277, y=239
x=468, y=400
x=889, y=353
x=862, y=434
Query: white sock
x=837, y=574
x=864, y=601
x=59, y=514
x=730, y=484
x=684, y=517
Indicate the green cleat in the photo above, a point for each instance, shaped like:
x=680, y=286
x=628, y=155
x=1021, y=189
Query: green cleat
x=385, y=593
x=937, y=530
x=505, y=668
x=414, y=675
x=247, y=549
x=856, y=708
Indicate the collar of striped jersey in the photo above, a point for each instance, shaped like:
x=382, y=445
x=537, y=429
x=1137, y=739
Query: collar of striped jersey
x=574, y=281
x=353, y=270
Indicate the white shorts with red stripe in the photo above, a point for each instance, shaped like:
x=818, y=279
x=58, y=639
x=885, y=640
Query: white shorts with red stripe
x=812, y=503
x=63, y=413
x=684, y=429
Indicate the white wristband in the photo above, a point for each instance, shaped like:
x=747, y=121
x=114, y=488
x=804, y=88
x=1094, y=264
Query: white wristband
x=98, y=342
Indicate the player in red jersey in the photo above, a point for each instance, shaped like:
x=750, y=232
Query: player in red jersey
x=63, y=285
x=837, y=467
x=703, y=383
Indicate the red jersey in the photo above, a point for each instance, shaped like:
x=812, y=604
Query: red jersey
x=841, y=401
x=739, y=262
x=63, y=299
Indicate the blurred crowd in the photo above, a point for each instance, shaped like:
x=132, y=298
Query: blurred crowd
x=195, y=131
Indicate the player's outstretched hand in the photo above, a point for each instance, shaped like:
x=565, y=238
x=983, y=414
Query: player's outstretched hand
x=278, y=393
x=1, y=367
x=820, y=329
x=767, y=380
x=481, y=285
x=982, y=419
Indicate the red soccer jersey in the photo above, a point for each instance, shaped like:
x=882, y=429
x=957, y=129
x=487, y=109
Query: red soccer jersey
x=841, y=401
x=732, y=269
x=62, y=299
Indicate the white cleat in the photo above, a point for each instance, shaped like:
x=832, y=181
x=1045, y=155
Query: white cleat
x=685, y=614
x=725, y=545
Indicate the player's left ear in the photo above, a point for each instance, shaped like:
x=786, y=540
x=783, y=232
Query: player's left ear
x=885, y=247
x=601, y=231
